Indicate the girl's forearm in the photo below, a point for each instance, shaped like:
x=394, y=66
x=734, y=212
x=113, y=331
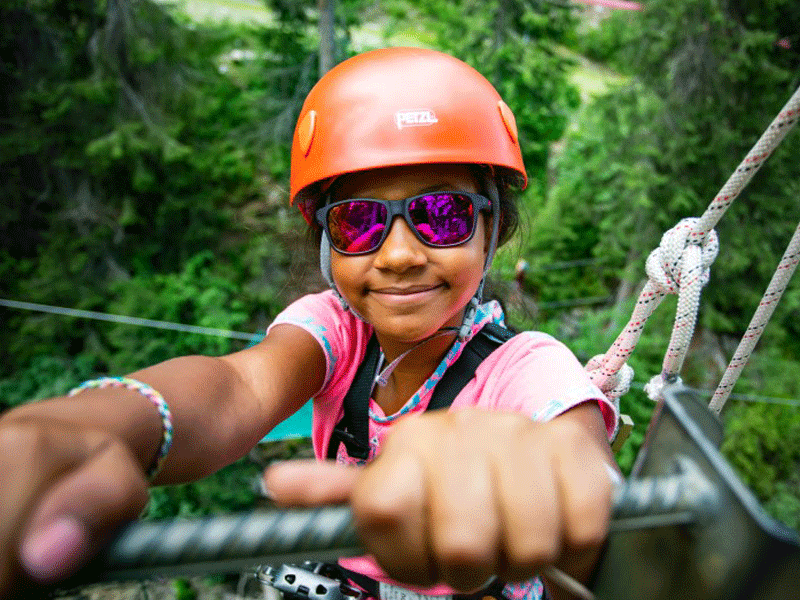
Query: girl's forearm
x=216, y=416
x=208, y=401
x=221, y=407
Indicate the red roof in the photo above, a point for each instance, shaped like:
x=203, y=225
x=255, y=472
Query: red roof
x=619, y=4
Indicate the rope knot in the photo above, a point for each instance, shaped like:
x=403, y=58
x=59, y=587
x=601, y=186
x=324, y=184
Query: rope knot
x=655, y=387
x=667, y=265
x=612, y=384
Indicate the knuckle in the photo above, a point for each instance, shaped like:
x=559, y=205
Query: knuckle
x=588, y=530
x=125, y=485
x=528, y=553
x=399, y=438
x=459, y=552
x=410, y=428
x=392, y=494
x=373, y=508
x=587, y=512
x=24, y=440
x=571, y=435
x=581, y=503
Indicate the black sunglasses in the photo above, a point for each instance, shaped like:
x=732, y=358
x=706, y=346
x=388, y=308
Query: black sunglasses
x=439, y=220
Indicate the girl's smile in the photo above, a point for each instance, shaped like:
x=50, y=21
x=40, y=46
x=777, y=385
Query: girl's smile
x=409, y=293
x=406, y=296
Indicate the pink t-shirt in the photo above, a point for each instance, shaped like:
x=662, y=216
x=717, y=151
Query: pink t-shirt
x=540, y=378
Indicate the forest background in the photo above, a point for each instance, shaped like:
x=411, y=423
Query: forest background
x=144, y=159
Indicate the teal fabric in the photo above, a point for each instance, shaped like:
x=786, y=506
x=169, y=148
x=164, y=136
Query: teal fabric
x=296, y=426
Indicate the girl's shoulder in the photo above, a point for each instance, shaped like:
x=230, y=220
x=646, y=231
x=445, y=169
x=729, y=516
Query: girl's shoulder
x=529, y=349
x=323, y=313
x=338, y=332
x=538, y=375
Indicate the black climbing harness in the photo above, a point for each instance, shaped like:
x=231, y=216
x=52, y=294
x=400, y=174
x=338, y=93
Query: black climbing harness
x=353, y=428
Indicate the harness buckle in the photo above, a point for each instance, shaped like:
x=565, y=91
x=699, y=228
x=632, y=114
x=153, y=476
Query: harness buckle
x=311, y=581
x=354, y=447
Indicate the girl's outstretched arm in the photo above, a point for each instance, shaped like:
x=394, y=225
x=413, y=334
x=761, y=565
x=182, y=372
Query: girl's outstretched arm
x=459, y=496
x=72, y=469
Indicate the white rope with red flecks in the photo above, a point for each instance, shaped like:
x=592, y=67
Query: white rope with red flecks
x=680, y=265
x=766, y=307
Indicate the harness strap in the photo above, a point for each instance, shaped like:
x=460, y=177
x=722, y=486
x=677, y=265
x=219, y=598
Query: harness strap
x=353, y=429
x=373, y=589
x=486, y=341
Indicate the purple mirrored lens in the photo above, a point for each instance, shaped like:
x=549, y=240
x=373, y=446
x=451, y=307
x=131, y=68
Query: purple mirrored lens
x=443, y=219
x=357, y=226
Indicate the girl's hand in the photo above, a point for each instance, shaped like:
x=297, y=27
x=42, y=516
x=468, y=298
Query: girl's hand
x=64, y=490
x=456, y=497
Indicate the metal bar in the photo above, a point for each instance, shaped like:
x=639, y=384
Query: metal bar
x=235, y=543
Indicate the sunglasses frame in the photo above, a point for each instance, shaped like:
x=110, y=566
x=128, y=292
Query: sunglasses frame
x=395, y=208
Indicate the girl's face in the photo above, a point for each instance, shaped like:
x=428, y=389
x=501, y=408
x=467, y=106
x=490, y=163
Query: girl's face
x=405, y=289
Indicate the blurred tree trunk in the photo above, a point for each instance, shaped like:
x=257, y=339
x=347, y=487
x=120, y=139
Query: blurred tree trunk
x=501, y=24
x=326, y=35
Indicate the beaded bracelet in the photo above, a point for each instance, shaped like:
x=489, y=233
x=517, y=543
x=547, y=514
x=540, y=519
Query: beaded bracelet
x=154, y=397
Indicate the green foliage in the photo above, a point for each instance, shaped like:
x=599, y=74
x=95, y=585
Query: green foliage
x=231, y=489
x=603, y=42
x=201, y=294
x=707, y=80
x=762, y=442
x=707, y=77
x=184, y=590
x=138, y=158
x=46, y=376
x=141, y=156
x=784, y=505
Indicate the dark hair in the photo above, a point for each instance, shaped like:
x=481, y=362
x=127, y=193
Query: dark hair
x=509, y=214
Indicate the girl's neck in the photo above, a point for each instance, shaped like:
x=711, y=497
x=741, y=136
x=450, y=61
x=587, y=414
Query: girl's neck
x=411, y=371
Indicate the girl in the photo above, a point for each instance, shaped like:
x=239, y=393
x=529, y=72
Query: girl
x=402, y=159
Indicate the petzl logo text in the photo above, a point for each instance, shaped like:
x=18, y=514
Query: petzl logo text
x=414, y=118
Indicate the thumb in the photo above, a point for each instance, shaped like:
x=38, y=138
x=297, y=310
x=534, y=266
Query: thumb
x=79, y=513
x=309, y=482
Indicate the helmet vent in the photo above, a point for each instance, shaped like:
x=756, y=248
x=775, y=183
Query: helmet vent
x=508, y=120
x=305, y=132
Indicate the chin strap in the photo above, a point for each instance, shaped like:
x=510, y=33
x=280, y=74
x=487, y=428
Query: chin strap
x=472, y=308
x=469, y=316
x=327, y=273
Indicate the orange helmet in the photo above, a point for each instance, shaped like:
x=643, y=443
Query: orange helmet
x=400, y=106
